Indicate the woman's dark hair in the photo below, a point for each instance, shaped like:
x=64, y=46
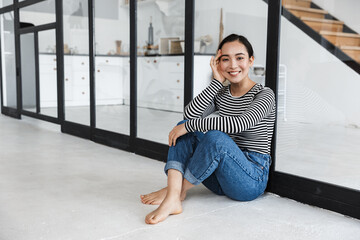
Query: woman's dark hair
x=239, y=38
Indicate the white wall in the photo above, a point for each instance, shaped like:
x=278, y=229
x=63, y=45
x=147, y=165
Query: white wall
x=345, y=10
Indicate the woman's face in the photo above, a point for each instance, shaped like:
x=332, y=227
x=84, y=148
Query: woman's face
x=235, y=62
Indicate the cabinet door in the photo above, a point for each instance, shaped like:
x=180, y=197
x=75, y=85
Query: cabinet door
x=109, y=89
x=48, y=80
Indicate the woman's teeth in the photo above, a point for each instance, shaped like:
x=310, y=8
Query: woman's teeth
x=234, y=73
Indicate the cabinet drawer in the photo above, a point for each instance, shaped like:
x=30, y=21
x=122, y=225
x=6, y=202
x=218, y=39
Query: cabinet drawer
x=81, y=93
x=80, y=78
x=108, y=61
x=47, y=59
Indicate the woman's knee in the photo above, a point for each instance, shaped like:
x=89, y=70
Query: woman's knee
x=215, y=136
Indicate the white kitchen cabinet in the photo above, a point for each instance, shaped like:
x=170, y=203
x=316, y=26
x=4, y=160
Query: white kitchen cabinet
x=161, y=82
x=109, y=80
x=48, y=80
x=109, y=75
x=77, y=84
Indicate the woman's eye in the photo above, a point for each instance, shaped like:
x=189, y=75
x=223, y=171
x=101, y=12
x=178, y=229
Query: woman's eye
x=224, y=59
x=240, y=58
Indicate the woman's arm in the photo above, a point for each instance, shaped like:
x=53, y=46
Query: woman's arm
x=204, y=104
x=263, y=104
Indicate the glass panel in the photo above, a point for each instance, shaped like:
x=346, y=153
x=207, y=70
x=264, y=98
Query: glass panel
x=48, y=73
x=160, y=76
x=4, y=3
x=76, y=62
x=112, y=66
x=318, y=126
x=8, y=60
x=39, y=13
x=214, y=20
x=28, y=74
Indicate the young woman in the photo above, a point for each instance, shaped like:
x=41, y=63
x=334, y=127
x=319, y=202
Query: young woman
x=228, y=153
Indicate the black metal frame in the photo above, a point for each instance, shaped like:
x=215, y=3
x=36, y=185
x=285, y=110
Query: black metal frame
x=336, y=198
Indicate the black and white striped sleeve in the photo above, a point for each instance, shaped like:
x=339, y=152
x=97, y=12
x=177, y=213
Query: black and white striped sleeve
x=203, y=104
x=261, y=106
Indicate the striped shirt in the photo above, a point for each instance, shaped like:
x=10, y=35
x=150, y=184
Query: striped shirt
x=248, y=120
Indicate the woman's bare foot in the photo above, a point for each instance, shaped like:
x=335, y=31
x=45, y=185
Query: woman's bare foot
x=170, y=206
x=156, y=198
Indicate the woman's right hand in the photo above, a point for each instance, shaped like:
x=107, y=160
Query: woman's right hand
x=215, y=67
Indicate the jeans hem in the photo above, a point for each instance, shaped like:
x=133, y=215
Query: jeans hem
x=174, y=165
x=190, y=177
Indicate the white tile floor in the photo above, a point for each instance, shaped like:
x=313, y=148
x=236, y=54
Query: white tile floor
x=56, y=186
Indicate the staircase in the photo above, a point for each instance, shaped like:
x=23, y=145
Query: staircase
x=329, y=28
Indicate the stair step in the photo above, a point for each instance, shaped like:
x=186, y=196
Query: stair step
x=323, y=24
x=306, y=12
x=341, y=38
x=299, y=3
x=352, y=51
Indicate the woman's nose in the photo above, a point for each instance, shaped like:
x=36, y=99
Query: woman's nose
x=233, y=63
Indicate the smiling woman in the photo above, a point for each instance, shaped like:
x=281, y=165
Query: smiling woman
x=229, y=154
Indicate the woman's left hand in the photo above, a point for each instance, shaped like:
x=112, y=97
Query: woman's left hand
x=177, y=132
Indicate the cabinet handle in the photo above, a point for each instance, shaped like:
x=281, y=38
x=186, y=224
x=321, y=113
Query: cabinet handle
x=82, y=63
x=54, y=59
x=148, y=61
x=66, y=79
x=83, y=93
x=98, y=70
x=155, y=61
x=178, y=64
x=54, y=69
x=178, y=97
x=177, y=81
x=83, y=78
x=107, y=61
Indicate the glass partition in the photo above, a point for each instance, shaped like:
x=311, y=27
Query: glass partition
x=112, y=66
x=318, y=127
x=214, y=20
x=76, y=61
x=28, y=71
x=39, y=13
x=48, y=73
x=160, y=74
x=8, y=60
x=4, y=3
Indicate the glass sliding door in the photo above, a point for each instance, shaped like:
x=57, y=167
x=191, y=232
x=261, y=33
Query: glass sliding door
x=8, y=60
x=76, y=61
x=318, y=112
x=38, y=58
x=112, y=66
x=48, y=73
x=160, y=68
x=28, y=72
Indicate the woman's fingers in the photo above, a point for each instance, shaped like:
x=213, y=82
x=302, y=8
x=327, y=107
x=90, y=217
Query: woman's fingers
x=177, y=132
x=218, y=55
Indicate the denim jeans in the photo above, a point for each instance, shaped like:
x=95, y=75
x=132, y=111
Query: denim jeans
x=214, y=160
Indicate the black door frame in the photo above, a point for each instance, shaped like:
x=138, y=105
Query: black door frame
x=310, y=191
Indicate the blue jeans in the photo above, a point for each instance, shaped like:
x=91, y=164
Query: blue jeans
x=215, y=160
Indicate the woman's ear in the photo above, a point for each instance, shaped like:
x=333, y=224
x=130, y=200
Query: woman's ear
x=251, y=60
